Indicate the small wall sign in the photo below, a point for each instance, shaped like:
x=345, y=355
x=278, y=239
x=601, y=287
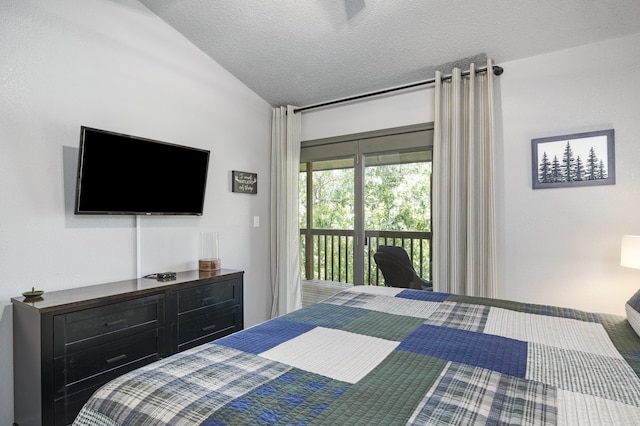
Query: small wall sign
x=244, y=182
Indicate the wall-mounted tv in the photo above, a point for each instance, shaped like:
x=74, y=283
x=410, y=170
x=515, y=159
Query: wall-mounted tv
x=122, y=174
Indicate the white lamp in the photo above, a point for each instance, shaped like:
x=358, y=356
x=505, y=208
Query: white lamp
x=630, y=251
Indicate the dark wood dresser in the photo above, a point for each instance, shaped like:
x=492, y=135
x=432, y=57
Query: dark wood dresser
x=68, y=343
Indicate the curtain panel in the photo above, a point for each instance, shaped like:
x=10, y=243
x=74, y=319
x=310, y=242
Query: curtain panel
x=464, y=223
x=285, y=232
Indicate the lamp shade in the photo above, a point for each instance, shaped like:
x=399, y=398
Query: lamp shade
x=630, y=251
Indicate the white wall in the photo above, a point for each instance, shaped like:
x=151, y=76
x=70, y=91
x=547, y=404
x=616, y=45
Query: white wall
x=384, y=112
x=562, y=245
x=556, y=246
x=114, y=65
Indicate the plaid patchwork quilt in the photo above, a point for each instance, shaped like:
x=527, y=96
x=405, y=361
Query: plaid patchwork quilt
x=388, y=356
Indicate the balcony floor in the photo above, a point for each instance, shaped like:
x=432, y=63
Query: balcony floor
x=317, y=290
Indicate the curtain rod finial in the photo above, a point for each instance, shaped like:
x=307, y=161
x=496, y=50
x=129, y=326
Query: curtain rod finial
x=497, y=70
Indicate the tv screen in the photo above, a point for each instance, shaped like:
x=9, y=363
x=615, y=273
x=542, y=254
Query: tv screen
x=122, y=174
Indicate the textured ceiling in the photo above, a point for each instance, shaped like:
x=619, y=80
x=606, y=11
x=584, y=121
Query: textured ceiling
x=302, y=52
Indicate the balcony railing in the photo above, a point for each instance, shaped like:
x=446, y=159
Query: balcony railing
x=327, y=254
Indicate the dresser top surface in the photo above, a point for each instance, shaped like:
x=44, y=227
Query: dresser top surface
x=103, y=292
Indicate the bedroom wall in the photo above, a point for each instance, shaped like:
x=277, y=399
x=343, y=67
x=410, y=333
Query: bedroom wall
x=562, y=246
x=556, y=246
x=112, y=64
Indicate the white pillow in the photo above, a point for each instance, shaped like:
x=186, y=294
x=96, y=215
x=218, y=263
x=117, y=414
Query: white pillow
x=632, y=307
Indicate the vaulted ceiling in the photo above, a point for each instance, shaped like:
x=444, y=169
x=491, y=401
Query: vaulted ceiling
x=303, y=52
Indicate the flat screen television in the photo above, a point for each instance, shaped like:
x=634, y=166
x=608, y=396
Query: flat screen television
x=122, y=174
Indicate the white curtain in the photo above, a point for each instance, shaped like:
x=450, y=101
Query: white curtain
x=285, y=232
x=464, y=224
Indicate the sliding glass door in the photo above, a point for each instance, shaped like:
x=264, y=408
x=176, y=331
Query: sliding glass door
x=397, y=208
x=327, y=219
x=362, y=191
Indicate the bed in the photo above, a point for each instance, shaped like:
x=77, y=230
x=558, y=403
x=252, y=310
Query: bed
x=380, y=355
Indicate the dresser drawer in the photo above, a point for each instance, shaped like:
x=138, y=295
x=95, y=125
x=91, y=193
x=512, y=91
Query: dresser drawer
x=109, y=320
x=212, y=325
x=222, y=294
x=82, y=369
x=67, y=408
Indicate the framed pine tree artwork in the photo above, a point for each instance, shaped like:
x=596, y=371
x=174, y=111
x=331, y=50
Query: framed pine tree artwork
x=580, y=159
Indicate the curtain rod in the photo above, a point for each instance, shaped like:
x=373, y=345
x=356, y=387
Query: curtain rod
x=497, y=70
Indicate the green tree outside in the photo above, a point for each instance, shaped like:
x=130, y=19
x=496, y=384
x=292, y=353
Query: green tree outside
x=396, y=198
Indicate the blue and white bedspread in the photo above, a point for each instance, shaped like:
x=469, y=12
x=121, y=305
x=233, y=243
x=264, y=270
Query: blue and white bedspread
x=387, y=356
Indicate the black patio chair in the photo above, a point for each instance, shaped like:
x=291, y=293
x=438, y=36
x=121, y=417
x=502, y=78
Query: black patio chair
x=398, y=270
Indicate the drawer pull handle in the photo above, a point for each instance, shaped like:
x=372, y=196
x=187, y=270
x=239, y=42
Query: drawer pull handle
x=116, y=322
x=209, y=299
x=116, y=359
x=208, y=328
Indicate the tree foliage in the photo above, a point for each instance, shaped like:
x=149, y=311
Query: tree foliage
x=396, y=198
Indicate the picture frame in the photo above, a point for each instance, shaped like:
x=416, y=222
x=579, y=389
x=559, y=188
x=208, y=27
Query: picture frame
x=244, y=182
x=579, y=159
